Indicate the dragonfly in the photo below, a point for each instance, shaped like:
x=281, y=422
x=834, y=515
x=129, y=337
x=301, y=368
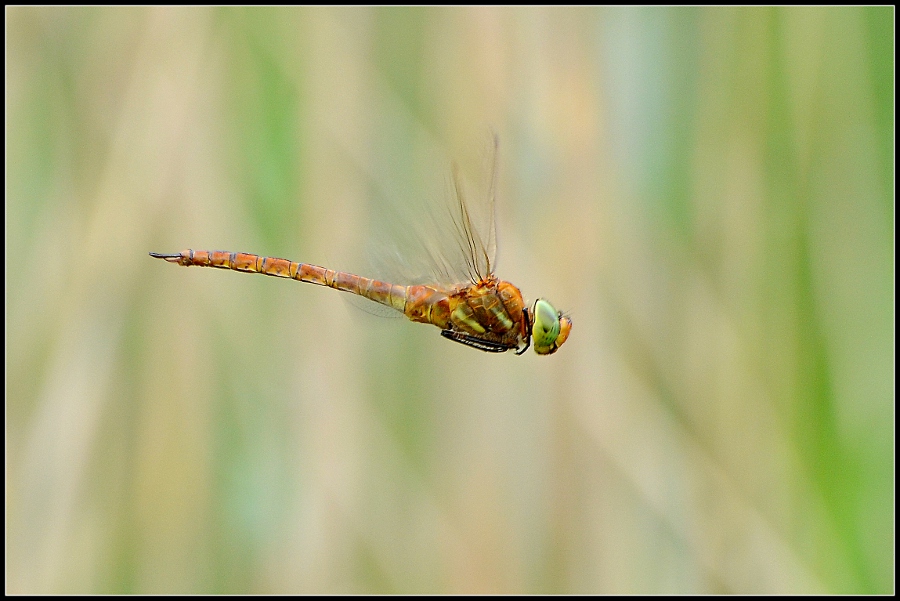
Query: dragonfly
x=478, y=309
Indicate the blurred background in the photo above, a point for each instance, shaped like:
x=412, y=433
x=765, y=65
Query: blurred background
x=708, y=192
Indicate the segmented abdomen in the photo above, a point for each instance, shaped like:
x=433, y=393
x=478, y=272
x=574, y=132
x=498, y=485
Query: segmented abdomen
x=391, y=295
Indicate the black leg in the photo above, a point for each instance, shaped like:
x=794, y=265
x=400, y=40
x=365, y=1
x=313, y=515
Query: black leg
x=527, y=330
x=479, y=343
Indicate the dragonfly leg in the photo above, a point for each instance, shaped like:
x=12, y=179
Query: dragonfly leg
x=528, y=332
x=479, y=343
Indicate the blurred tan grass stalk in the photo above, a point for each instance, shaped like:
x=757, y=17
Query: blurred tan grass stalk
x=709, y=191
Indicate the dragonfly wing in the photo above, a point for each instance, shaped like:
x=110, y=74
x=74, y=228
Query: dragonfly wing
x=378, y=310
x=447, y=240
x=473, y=217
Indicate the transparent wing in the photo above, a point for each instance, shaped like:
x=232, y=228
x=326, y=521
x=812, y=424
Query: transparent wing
x=474, y=222
x=451, y=239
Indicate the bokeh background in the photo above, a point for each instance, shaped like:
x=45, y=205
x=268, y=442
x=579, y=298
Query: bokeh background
x=708, y=192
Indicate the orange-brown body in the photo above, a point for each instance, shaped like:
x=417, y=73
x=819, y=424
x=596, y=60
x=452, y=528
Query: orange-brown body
x=490, y=310
x=489, y=314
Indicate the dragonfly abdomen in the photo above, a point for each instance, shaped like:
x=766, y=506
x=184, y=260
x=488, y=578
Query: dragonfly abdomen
x=384, y=293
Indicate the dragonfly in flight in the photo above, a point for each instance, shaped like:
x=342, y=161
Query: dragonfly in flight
x=477, y=309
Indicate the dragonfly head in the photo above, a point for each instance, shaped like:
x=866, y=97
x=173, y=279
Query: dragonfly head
x=549, y=327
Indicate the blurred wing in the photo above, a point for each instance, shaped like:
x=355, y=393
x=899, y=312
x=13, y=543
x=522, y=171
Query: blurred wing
x=474, y=223
x=452, y=239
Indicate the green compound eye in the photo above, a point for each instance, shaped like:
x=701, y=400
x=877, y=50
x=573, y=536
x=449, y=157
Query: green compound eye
x=545, y=329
